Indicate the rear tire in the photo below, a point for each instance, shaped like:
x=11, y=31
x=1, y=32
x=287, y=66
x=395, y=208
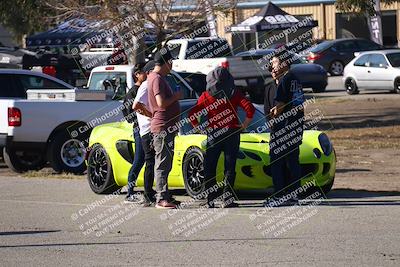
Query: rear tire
x=397, y=85
x=325, y=189
x=193, y=172
x=351, y=86
x=67, y=153
x=100, y=175
x=21, y=161
x=336, y=68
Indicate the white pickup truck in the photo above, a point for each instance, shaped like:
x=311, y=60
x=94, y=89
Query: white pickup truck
x=202, y=55
x=53, y=125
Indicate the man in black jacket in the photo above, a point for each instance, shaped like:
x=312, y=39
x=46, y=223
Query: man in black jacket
x=287, y=117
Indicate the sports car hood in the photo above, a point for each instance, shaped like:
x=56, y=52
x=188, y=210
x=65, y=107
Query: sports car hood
x=308, y=136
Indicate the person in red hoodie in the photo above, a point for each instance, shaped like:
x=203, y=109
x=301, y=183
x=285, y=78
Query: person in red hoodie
x=219, y=103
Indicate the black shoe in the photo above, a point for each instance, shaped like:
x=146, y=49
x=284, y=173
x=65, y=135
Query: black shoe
x=150, y=196
x=274, y=202
x=148, y=202
x=134, y=198
x=207, y=204
x=173, y=200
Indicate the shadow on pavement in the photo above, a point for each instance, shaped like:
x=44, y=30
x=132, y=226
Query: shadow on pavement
x=28, y=232
x=345, y=170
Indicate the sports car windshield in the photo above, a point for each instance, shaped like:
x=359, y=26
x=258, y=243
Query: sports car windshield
x=257, y=125
x=394, y=59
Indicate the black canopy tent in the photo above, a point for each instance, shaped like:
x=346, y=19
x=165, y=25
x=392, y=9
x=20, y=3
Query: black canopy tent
x=74, y=32
x=271, y=18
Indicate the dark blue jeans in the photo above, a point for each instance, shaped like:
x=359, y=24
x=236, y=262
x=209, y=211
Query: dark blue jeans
x=229, y=144
x=286, y=172
x=138, y=162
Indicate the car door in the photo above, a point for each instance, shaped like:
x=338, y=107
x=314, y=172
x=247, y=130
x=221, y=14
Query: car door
x=378, y=74
x=360, y=70
x=345, y=51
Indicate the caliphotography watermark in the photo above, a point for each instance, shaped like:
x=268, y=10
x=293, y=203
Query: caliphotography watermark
x=103, y=215
x=277, y=218
x=186, y=220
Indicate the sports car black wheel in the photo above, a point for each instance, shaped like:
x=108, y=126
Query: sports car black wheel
x=351, y=87
x=99, y=174
x=193, y=172
x=327, y=187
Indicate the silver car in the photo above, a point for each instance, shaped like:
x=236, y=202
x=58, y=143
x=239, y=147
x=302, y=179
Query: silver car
x=373, y=70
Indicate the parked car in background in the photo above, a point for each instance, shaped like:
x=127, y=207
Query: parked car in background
x=14, y=83
x=334, y=55
x=311, y=75
x=373, y=70
x=202, y=55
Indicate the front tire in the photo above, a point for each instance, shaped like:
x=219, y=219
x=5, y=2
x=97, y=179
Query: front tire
x=100, y=175
x=325, y=189
x=336, y=68
x=193, y=172
x=351, y=87
x=67, y=153
x=21, y=161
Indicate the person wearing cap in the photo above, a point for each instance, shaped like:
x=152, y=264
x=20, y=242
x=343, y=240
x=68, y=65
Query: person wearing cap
x=221, y=101
x=287, y=116
x=139, y=77
x=140, y=106
x=165, y=110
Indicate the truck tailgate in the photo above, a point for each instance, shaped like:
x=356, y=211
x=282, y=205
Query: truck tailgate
x=4, y=104
x=39, y=118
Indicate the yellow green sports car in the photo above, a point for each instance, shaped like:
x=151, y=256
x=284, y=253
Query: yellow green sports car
x=112, y=151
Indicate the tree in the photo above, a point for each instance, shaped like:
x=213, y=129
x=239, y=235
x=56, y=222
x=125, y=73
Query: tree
x=166, y=16
x=360, y=6
x=23, y=17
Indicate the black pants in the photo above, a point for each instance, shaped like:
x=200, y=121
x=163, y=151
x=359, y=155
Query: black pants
x=229, y=144
x=149, y=154
x=286, y=172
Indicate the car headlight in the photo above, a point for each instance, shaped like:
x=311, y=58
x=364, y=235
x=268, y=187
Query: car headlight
x=325, y=144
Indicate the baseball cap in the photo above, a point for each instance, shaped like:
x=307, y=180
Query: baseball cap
x=138, y=67
x=162, y=56
x=220, y=83
x=149, y=66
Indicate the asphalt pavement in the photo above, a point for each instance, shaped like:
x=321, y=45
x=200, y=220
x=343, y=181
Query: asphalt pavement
x=47, y=222
x=61, y=222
